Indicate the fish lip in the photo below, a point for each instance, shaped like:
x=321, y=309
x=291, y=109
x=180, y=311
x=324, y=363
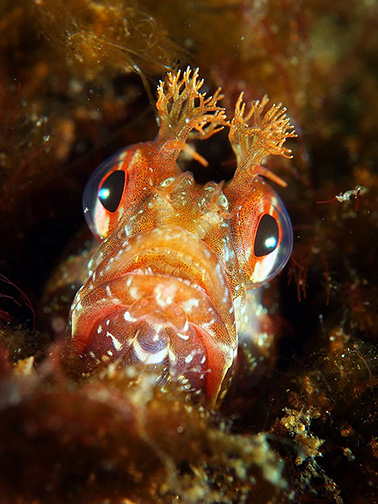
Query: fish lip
x=169, y=251
x=179, y=249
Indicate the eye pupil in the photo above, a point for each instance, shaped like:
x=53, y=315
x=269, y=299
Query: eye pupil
x=111, y=190
x=267, y=236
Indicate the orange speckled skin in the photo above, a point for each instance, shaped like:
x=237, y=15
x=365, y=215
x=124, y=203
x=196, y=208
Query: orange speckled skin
x=167, y=286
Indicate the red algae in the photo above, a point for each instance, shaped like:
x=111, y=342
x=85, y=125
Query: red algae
x=107, y=438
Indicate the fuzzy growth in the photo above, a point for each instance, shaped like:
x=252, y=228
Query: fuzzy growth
x=257, y=134
x=182, y=108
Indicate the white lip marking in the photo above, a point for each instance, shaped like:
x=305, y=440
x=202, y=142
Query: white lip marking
x=117, y=344
x=128, y=317
x=189, y=358
x=182, y=336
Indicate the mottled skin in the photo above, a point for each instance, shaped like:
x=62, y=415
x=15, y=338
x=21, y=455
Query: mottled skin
x=170, y=283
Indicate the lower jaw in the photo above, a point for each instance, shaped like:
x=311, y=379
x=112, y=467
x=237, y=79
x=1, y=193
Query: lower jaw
x=157, y=322
x=160, y=300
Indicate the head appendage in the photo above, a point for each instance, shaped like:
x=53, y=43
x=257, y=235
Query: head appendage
x=258, y=134
x=183, y=109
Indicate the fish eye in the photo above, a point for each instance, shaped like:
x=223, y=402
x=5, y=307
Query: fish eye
x=273, y=242
x=267, y=236
x=103, y=194
x=263, y=235
x=111, y=190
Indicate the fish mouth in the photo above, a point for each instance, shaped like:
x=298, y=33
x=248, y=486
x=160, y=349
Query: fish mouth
x=167, y=251
x=159, y=297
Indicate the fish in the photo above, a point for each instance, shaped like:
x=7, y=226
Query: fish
x=171, y=285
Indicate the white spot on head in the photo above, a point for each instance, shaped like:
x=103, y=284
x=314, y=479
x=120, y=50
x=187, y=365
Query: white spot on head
x=188, y=305
x=164, y=294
